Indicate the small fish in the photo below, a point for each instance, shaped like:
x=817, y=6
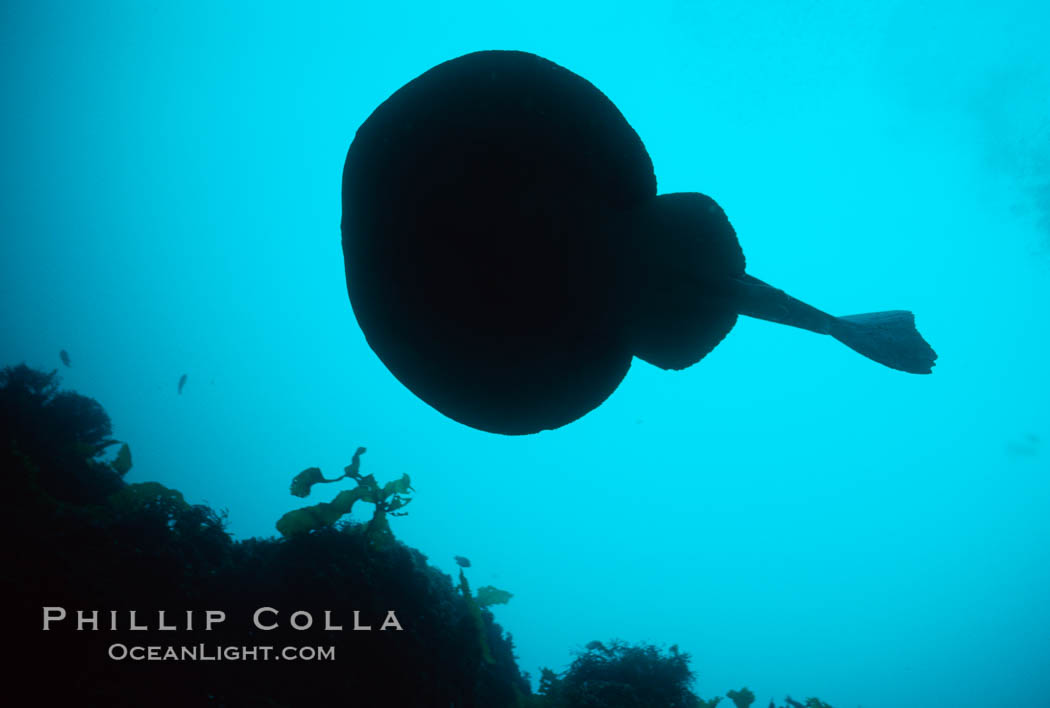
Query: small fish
x=64, y=356
x=182, y=382
x=462, y=562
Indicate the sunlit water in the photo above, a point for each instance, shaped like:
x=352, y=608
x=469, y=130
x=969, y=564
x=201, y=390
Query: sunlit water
x=797, y=518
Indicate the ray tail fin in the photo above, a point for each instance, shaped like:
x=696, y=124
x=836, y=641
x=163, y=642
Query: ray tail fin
x=889, y=338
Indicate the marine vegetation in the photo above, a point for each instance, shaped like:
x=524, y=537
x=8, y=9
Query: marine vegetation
x=742, y=698
x=621, y=675
x=65, y=434
x=810, y=703
x=487, y=596
x=121, y=464
x=387, y=499
x=80, y=537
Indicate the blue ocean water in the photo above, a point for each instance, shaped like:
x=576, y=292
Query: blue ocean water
x=797, y=518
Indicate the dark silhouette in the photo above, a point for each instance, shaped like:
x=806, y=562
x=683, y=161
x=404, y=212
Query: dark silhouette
x=507, y=254
x=80, y=538
x=742, y=698
x=621, y=675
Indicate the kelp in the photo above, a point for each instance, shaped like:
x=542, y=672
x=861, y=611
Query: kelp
x=387, y=499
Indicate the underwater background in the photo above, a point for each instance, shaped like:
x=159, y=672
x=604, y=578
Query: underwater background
x=796, y=518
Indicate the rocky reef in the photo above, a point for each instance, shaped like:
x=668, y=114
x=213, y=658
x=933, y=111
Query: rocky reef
x=128, y=595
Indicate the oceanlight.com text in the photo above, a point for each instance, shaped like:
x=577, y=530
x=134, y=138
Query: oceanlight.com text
x=204, y=652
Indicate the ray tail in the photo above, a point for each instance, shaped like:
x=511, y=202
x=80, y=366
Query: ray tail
x=889, y=338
